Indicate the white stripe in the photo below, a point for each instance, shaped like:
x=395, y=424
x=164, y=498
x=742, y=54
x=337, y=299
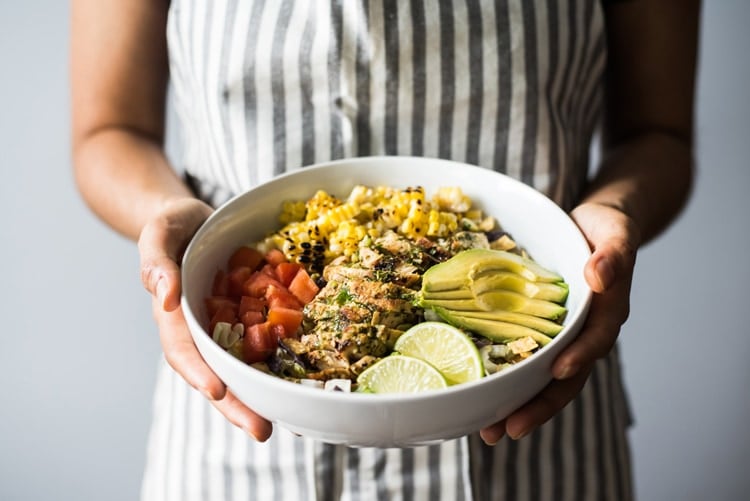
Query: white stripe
x=195, y=63
x=421, y=474
x=319, y=75
x=213, y=87
x=518, y=93
x=491, y=67
x=377, y=77
x=261, y=463
x=263, y=82
x=194, y=473
x=393, y=473
x=292, y=89
x=433, y=63
x=462, y=85
x=236, y=104
x=215, y=454
x=179, y=79
x=367, y=488
x=448, y=473
x=176, y=453
x=153, y=487
x=405, y=79
x=238, y=459
x=464, y=465
x=289, y=482
x=350, y=20
x=542, y=158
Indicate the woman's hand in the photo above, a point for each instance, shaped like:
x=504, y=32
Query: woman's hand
x=614, y=240
x=161, y=244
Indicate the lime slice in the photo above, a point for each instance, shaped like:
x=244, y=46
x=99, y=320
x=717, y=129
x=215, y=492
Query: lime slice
x=399, y=374
x=446, y=348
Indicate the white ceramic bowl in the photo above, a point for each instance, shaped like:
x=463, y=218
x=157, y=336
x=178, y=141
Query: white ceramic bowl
x=387, y=420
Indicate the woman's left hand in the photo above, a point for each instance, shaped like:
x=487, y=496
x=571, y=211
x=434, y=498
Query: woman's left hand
x=614, y=240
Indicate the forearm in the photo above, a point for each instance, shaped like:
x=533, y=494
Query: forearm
x=648, y=177
x=125, y=178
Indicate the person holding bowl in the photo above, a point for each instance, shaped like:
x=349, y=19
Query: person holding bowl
x=266, y=87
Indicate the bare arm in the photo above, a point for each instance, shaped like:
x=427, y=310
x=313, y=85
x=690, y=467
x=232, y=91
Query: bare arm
x=648, y=141
x=119, y=75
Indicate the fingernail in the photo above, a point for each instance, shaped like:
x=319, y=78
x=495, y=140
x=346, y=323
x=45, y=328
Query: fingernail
x=161, y=290
x=518, y=435
x=606, y=272
x=206, y=394
x=567, y=371
x=489, y=441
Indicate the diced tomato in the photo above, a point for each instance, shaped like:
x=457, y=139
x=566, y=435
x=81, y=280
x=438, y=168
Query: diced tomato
x=269, y=270
x=220, y=286
x=280, y=297
x=259, y=343
x=223, y=314
x=248, y=303
x=285, y=272
x=258, y=283
x=237, y=278
x=303, y=287
x=247, y=257
x=215, y=303
x=251, y=317
x=275, y=257
x=290, y=319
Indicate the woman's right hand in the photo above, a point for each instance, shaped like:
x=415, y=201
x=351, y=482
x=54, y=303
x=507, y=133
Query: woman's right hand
x=161, y=244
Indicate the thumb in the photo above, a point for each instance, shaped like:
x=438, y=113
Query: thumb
x=614, y=240
x=160, y=273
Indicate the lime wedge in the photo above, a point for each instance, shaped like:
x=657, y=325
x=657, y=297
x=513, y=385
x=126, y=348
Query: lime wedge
x=446, y=348
x=399, y=374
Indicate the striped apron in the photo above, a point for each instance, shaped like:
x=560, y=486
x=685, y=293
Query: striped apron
x=263, y=87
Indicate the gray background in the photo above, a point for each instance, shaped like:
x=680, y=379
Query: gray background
x=79, y=351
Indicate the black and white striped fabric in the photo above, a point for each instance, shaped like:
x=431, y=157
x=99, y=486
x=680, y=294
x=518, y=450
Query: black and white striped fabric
x=263, y=87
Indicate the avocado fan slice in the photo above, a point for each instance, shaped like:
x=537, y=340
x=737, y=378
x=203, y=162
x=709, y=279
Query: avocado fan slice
x=547, y=327
x=454, y=272
x=504, y=280
x=493, y=330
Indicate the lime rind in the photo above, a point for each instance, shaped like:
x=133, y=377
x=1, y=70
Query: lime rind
x=446, y=348
x=400, y=374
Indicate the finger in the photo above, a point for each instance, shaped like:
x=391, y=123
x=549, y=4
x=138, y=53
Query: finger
x=614, y=238
x=493, y=433
x=545, y=405
x=597, y=337
x=242, y=417
x=160, y=273
x=182, y=355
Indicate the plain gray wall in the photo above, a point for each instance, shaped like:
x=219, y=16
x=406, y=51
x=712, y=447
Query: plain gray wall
x=79, y=351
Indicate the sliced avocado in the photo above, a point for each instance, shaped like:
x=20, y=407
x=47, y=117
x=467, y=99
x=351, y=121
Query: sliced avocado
x=492, y=329
x=499, y=300
x=455, y=272
x=513, y=301
x=504, y=280
x=540, y=324
x=548, y=291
